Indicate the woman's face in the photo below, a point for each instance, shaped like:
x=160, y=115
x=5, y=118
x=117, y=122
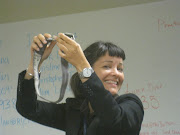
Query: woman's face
x=110, y=71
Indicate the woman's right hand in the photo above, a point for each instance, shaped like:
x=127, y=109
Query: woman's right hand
x=37, y=43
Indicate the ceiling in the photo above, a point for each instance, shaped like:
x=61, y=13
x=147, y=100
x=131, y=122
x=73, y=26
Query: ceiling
x=20, y=10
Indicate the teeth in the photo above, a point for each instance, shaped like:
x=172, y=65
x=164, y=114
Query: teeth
x=111, y=82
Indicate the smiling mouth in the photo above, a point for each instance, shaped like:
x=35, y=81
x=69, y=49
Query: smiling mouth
x=112, y=82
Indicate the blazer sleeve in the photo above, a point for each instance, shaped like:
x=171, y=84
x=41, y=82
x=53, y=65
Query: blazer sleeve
x=48, y=114
x=124, y=113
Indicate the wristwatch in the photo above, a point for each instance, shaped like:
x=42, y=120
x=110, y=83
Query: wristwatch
x=86, y=73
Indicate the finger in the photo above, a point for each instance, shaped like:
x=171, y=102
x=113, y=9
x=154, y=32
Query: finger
x=35, y=47
x=47, y=35
x=61, y=41
x=66, y=38
x=37, y=41
x=61, y=53
x=42, y=38
x=62, y=48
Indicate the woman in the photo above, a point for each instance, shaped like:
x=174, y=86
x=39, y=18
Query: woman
x=96, y=108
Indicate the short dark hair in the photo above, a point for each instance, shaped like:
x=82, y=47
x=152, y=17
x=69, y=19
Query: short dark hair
x=92, y=54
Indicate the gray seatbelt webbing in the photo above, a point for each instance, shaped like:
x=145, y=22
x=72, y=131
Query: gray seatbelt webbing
x=64, y=66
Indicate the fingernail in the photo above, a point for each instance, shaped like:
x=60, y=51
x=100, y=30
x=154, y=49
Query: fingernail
x=44, y=41
x=41, y=45
x=59, y=35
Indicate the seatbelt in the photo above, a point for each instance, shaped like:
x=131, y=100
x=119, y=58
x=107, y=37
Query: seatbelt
x=64, y=66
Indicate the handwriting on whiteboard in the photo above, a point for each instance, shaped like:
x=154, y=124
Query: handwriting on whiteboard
x=160, y=128
x=13, y=121
x=4, y=77
x=6, y=104
x=149, y=87
x=4, y=60
x=4, y=90
x=167, y=24
x=147, y=94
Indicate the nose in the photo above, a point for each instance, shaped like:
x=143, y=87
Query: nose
x=115, y=72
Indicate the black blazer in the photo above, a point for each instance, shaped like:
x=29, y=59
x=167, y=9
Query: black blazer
x=122, y=115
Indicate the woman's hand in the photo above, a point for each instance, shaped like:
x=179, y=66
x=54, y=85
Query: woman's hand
x=71, y=51
x=37, y=43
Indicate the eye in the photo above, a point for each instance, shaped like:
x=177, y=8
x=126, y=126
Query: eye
x=106, y=67
x=120, y=69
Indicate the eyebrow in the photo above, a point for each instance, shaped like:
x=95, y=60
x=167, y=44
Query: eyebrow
x=112, y=62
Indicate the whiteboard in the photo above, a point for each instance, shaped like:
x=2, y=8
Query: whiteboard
x=150, y=36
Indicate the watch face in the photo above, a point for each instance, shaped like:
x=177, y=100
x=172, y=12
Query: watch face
x=87, y=72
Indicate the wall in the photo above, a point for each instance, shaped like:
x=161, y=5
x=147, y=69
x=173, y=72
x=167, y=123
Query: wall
x=148, y=33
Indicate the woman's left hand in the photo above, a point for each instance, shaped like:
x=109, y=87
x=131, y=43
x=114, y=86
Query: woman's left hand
x=71, y=51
